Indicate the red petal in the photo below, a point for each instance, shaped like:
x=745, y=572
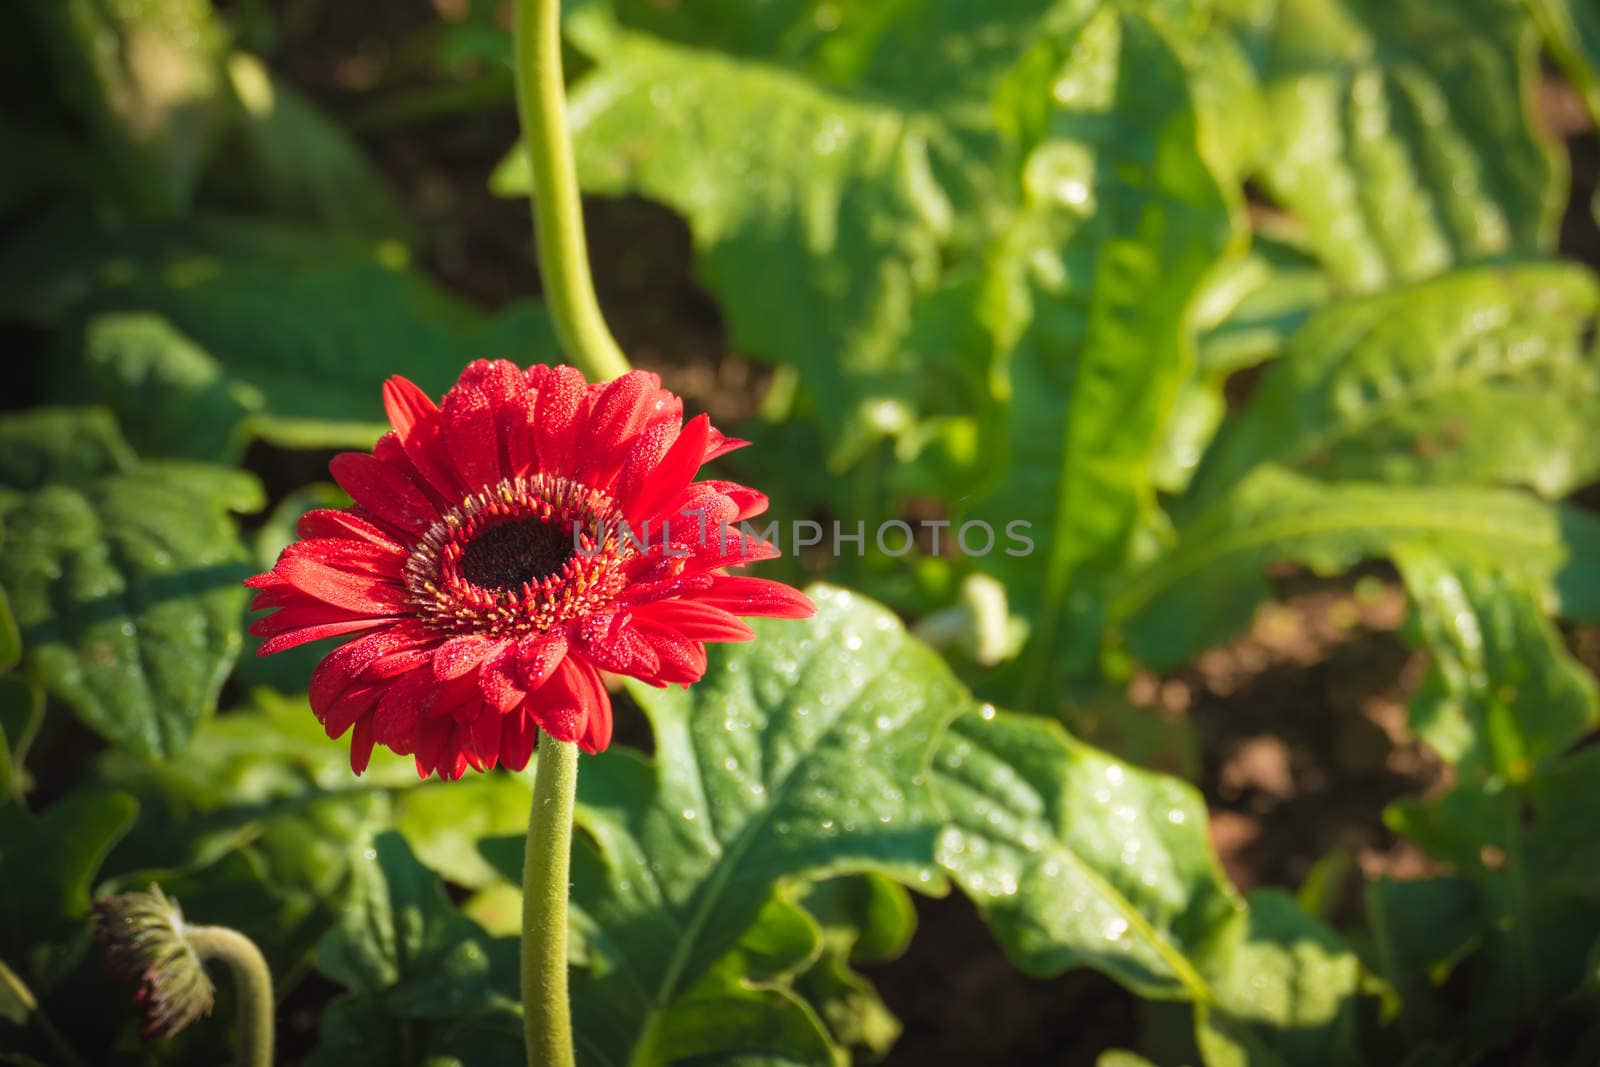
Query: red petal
x=327, y=522
x=682, y=661
x=563, y=397
x=623, y=409
x=562, y=706
x=696, y=620
x=719, y=445
x=488, y=420
x=757, y=596
x=498, y=681
x=610, y=643
x=361, y=745
x=352, y=706
x=398, y=721
x=668, y=477
x=315, y=633
x=340, y=669
x=538, y=655
x=459, y=655
x=355, y=592
x=482, y=740
x=517, y=736
x=384, y=491
x=416, y=423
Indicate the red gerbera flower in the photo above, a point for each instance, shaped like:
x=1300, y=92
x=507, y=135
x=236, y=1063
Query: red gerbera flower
x=505, y=548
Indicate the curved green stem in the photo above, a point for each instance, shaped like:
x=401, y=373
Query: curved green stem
x=546, y=861
x=557, y=210
x=252, y=983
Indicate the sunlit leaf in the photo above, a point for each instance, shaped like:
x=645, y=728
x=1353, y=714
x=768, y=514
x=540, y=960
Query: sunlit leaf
x=1502, y=696
x=1287, y=997
x=1077, y=859
x=1478, y=376
x=123, y=576
x=1402, y=135
x=1094, y=285
x=1205, y=587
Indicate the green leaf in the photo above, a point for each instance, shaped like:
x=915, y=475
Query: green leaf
x=1077, y=859
x=1254, y=304
x=1502, y=696
x=125, y=580
x=1205, y=587
x=1571, y=30
x=260, y=822
x=418, y=971
x=46, y=445
x=146, y=77
x=401, y=939
x=1477, y=376
x=1287, y=996
x=49, y=863
x=864, y=918
x=1403, y=138
x=306, y=380
x=170, y=396
x=823, y=191
x=803, y=752
x=1121, y=222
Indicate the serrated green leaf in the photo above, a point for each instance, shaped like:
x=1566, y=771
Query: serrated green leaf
x=1287, y=996
x=1077, y=859
x=1502, y=695
x=125, y=581
x=1475, y=377
x=801, y=753
x=822, y=188
x=259, y=823
x=307, y=380
x=169, y=395
x=863, y=918
x=1252, y=305
x=146, y=77
x=45, y=445
x=1121, y=222
x=401, y=938
x=417, y=971
x=1205, y=587
x=1403, y=138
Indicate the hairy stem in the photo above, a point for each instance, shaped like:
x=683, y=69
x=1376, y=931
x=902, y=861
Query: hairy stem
x=557, y=210
x=546, y=1008
x=252, y=983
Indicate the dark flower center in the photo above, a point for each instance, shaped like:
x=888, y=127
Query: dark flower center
x=518, y=557
x=511, y=554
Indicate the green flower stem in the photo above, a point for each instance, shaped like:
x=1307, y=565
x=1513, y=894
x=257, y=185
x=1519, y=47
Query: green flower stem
x=557, y=210
x=252, y=983
x=546, y=862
